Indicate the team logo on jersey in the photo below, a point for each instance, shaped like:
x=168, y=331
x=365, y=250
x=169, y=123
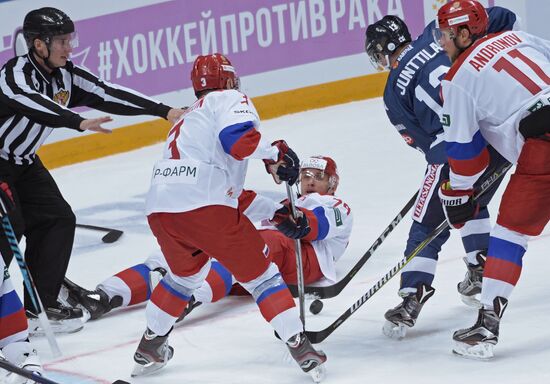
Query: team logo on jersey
x=6, y=273
x=408, y=139
x=446, y=120
x=61, y=97
x=535, y=107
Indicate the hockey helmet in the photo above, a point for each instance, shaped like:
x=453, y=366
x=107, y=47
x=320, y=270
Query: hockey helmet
x=326, y=165
x=383, y=38
x=461, y=13
x=213, y=72
x=45, y=23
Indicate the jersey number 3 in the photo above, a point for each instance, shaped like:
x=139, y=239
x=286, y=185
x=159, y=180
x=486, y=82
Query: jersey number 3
x=503, y=64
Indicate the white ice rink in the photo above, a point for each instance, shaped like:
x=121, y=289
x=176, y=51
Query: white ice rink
x=229, y=342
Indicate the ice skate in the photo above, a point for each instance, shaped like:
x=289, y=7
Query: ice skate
x=310, y=360
x=94, y=304
x=404, y=316
x=22, y=355
x=62, y=319
x=153, y=353
x=470, y=288
x=477, y=342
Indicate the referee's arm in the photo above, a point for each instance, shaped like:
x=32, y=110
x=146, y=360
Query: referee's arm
x=18, y=95
x=89, y=90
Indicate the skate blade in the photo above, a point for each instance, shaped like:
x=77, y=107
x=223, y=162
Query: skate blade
x=393, y=331
x=471, y=301
x=318, y=373
x=144, y=370
x=481, y=351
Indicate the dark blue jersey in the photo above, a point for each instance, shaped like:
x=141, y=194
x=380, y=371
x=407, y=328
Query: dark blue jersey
x=411, y=97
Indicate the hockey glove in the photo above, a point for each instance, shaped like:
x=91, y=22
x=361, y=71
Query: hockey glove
x=459, y=205
x=287, y=166
x=6, y=199
x=295, y=228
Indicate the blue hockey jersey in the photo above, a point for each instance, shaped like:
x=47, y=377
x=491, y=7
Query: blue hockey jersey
x=412, y=95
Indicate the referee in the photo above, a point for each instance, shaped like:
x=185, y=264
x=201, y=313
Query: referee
x=37, y=91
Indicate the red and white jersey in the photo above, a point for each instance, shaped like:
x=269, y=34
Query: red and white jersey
x=205, y=157
x=487, y=92
x=330, y=220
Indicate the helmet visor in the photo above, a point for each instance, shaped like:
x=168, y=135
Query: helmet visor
x=442, y=36
x=69, y=40
x=379, y=60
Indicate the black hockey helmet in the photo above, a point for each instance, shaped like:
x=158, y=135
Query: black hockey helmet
x=384, y=37
x=44, y=23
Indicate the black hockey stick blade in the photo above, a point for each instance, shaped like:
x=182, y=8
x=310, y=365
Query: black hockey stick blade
x=318, y=336
x=328, y=291
x=111, y=236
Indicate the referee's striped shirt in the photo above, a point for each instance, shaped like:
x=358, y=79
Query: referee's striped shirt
x=33, y=102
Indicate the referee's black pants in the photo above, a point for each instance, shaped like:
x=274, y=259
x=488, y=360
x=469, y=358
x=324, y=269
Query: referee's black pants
x=48, y=223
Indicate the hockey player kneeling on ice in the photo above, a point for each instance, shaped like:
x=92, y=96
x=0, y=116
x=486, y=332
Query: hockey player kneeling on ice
x=328, y=215
x=412, y=107
x=192, y=208
x=517, y=66
x=14, y=336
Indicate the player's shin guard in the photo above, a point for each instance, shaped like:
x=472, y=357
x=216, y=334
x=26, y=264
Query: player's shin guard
x=131, y=284
x=217, y=285
x=170, y=298
x=275, y=302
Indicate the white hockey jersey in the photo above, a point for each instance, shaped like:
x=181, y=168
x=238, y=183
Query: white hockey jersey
x=205, y=156
x=330, y=220
x=487, y=92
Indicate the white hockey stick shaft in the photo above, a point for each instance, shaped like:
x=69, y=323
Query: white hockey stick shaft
x=299, y=266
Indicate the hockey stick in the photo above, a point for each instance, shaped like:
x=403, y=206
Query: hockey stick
x=329, y=291
x=318, y=336
x=299, y=266
x=36, y=378
x=111, y=236
x=31, y=288
x=25, y=373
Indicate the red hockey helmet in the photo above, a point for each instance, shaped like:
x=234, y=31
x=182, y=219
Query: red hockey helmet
x=468, y=13
x=213, y=72
x=328, y=167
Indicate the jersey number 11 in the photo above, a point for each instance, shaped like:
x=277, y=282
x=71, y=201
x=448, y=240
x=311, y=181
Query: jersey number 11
x=503, y=64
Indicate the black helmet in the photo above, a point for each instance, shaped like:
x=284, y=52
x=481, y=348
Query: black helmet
x=44, y=23
x=385, y=36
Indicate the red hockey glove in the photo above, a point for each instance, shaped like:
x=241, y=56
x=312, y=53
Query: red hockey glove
x=6, y=199
x=459, y=205
x=295, y=228
x=287, y=166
